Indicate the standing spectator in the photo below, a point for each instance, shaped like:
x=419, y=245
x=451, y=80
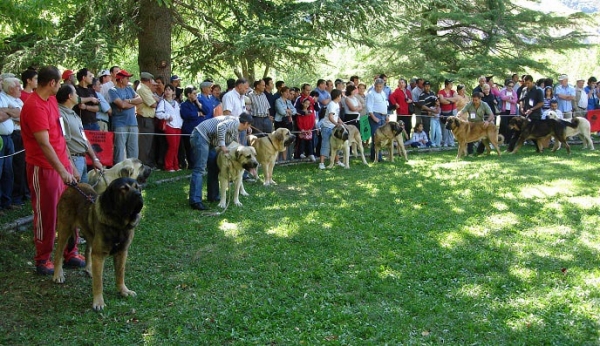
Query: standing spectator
x=108, y=81
x=87, y=106
x=580, y=102
x=324, y=96
x=489, y=98
x=284, y=111
x=215, y=90
x=192, y=115
x=377, y=103
x=68, y=77
x=208, y=102
x=234, y=103
x=592, y=94
x=210, y=134
x=48, y=168
x=160, y=86
x=269, y=94
x=435, y=125
x=416, y=92
x=10, y=105
x=426, y=102
x=402, y=99
x=123, y=100
x=548, y=97
x=352, y=106
x=482, y=81
x=15, y=102
x=461, y=98
x=305, y=107
x=30, y=82
x=330, y=121
x=77, y=144
x=146, y=111
x=104, y=111
x=448, y=99
x=168, y=109
x=176, y=82
x=509, y=99
x=261, y=108
x=565, y=94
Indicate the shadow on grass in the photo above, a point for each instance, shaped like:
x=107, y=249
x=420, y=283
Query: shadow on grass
x=486, y=250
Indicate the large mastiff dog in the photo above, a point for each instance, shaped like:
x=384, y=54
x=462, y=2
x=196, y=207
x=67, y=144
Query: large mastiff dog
x=541, y=131
x=345, y=137
x=267, y=149
x=466, y=132
x=582, y=129
x=107, y=224
x=231, y=168
x=386, y=135
x=130, y=168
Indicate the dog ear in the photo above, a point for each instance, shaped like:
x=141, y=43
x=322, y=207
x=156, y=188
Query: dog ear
x=278, y=135
x=126, y=172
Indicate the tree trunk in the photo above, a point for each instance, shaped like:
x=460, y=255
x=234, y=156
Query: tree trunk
x=154, y=39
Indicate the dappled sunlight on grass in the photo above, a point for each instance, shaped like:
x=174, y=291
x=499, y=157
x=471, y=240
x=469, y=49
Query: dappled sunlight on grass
x=286, y=228
x=451, y=240
x=386, y=272
x=473, y=291
x=585, y=202
x=231, y=230
x=503, y=220
x=550, y=189
x=524, y=274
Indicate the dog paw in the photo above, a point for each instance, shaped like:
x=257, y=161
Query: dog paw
x=244, y=193
x=58, y=277
x=128, y=293
x=98, y=304
x=237, y=203
x=222, y=204
x=347, y=167
x=273, y=182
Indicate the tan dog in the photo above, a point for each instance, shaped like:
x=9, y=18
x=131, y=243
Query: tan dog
x=231, y=168
x=131, y=168
x=107, y=223
x=466, y=132
x=267, y=149
x=339, y=141
x=355, y=142
x=582, y=129
x=385, y=137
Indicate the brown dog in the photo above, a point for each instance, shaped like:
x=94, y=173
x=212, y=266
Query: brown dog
x=466, y=132
x=267, y=149
x=386, y=135
x=107, y=224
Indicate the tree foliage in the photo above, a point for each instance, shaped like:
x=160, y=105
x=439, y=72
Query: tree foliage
x=464, y=39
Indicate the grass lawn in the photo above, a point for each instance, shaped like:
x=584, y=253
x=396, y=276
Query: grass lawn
x=483, y=251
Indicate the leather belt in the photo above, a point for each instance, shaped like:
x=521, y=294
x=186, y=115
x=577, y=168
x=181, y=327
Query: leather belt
x=79, y=155
x=261, y=115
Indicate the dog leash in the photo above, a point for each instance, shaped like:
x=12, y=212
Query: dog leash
x=98, y=181
x=89, y=198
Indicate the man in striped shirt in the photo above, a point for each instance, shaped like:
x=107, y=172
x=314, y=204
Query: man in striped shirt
x=212, y=133
x=263, y=120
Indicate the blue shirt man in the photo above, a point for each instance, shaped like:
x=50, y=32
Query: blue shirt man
x=565, y=94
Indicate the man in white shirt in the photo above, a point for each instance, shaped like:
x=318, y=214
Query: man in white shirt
x=581, y=100
x=10, y=109
x=234, y=104
x=377, y=103
x=108, y=81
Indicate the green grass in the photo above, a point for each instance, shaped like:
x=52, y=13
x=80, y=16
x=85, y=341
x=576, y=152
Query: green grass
x=483, y=251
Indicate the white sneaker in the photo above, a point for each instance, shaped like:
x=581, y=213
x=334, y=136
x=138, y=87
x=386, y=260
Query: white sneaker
x=321, y=165
x=302, y=156
x=312, y=158
x=339, y=163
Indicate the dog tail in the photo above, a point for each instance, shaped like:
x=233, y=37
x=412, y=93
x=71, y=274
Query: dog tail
x=574, y=123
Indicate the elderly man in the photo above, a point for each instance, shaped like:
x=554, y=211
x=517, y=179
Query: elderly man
x=476, y=112
x=146, y=111
x=68, y=77
x=261, y=108
x=580, y=102
x=108, y=81
x=377, y=103
x=565, y=94
x=10, y=106
x=123, y=100
x=88, y=101
x=210, y=134
x=48, y=168
x=104, y=112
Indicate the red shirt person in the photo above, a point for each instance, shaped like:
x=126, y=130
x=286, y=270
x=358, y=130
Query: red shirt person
x=48, y=167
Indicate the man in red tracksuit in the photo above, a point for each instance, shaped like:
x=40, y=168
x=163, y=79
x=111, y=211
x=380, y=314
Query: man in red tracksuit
x=48, y=168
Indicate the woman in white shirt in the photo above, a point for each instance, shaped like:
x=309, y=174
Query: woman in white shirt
x=352, y=106
x=168, y=110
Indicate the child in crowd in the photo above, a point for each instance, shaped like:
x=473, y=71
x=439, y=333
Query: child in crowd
x=306, y=123
x=419, y=138
x=435, y=129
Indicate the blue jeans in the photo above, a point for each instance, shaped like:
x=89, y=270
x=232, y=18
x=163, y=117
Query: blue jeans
x=435, y=130
x=79, y=162
x=325, y=136
x=200, y=149
x=374, y=127
x=126, y=140
x=6, y=172
x=92, y=126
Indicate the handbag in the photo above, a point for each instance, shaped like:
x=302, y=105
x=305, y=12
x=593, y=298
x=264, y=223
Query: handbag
x=411, y=108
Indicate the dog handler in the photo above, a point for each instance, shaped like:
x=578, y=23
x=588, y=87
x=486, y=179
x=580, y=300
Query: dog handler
x=212, y=133
x=476, y=112
x=48, y=167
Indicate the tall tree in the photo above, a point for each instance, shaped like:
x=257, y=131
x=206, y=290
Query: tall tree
x=465, y=39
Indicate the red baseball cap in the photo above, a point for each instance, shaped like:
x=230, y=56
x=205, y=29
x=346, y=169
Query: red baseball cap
x=124, y=73
x=67, y=74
